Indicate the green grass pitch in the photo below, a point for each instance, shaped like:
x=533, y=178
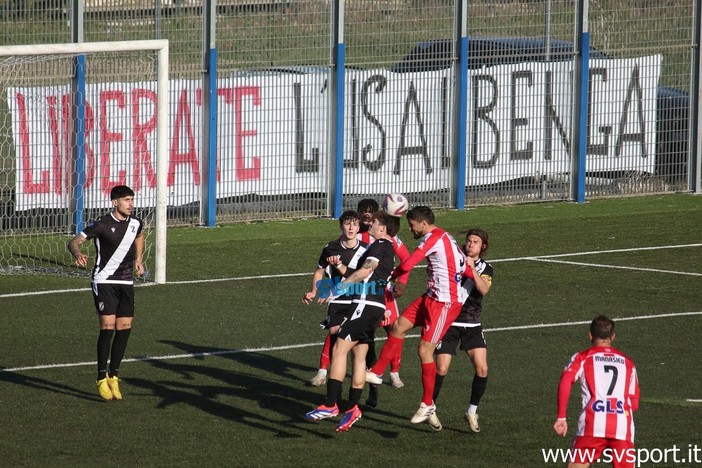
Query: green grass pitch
x=219, y=357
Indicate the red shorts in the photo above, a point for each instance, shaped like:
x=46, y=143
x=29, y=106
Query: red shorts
x=391, y=309
x=433, y=316
x=620, y=453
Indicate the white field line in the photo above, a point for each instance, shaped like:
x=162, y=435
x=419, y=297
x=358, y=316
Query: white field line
x=287, y=275
x=595, y=252
x=617, y=267
x=307, y=345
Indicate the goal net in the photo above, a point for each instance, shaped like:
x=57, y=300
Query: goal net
x=76, y=120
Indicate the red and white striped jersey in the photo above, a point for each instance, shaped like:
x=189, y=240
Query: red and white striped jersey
x=445, y=266
x=610, y=392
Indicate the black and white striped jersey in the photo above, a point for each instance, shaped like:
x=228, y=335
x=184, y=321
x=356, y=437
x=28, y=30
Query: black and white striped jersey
x=114, y=246
x=473, y=305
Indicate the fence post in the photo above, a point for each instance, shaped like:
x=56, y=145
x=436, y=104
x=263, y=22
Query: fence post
x=77, y=202
x=208, y=205
x=461, y=105
x=335, y=149
x=580, y=97
x=694, y=166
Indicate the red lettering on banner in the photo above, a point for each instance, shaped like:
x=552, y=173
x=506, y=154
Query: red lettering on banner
x=56, y=146
x=29, y=186
x=236, y=96
x=107, y=137
x=60, y=142
x=142, y=155
x=243, y=172
x=183, y=117
x=67, y=132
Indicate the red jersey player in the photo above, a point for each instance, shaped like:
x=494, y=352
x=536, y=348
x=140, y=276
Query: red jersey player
x=610, y=395
x=435, y=310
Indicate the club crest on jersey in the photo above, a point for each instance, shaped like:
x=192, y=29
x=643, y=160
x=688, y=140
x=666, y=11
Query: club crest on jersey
x=610, y=406
x=113, y=230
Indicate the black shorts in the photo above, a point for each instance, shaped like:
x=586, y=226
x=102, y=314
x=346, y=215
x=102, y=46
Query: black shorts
x=336, y=313
x=114, y=299
x=469, y=337
x=362, y=321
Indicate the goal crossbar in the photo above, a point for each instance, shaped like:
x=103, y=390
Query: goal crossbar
x=160, y=46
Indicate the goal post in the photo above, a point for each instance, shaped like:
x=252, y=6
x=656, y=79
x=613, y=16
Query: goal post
x=75, y=120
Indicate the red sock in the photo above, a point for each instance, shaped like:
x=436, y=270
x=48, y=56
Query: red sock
x=389, y=351
x=324, y=358
x=395, y=363
x=428, y=378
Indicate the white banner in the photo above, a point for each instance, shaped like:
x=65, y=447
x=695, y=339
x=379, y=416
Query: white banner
x=272, y=132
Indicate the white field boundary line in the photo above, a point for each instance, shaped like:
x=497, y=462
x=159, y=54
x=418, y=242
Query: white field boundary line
x=617, y=267
x=307, y=345
x=287, y=275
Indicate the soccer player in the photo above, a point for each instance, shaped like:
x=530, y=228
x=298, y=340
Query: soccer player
x=119, y=245
x=366, y=208
x=367, y=286
x=341, y=252
x=610, y=395
x=467, y=329
x=435, y=310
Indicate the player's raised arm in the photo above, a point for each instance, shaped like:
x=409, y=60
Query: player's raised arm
x=364, y=272
x=403, y=254
x=410, y=262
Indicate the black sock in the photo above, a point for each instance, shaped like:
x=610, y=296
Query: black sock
x=438, y=382
x=332, y=342
x=354, y=397
x=477, y=390
x=103, y=352
x=119, y=346
x=371, y=357
x=333, y=392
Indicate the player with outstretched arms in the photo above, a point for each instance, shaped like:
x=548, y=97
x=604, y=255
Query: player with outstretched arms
x=435, y=310
x=610, y=395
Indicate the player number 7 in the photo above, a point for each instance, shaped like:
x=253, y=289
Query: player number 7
x=615, y=373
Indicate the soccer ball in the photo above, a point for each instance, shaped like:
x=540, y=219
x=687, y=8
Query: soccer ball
x=395, y=204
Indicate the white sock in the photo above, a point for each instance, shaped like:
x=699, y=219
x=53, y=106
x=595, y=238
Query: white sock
x=322, y=371
x=472, y=409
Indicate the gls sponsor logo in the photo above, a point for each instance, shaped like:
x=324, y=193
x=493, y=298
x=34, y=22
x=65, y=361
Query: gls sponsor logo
x=610, y=406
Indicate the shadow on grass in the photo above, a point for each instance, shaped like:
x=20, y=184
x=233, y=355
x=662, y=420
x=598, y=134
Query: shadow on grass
x=46, y=385
x=267, y=393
